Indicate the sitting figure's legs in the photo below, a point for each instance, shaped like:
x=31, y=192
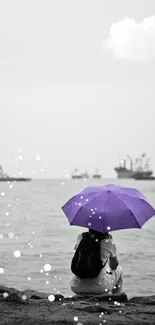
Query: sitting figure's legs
x=118, y=280
x=118, y=286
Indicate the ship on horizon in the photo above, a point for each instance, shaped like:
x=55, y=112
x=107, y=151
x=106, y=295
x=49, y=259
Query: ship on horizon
x=6, y=178
x=96, y=174
x=139, y=169
x=77, y=174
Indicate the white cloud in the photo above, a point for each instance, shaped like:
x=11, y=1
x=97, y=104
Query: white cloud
x=130, y=40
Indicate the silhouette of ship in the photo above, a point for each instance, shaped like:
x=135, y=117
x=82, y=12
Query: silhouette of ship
x=5, y=178
x=97, y=174
x=76, y=174
x=143, y=170
x=123, y=171
x=138, y=169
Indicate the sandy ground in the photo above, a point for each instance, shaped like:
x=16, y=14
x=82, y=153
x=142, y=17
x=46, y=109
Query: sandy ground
x=31, y=307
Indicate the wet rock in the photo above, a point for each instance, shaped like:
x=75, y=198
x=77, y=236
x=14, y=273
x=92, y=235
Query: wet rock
x=121, y=297
x=36, y=308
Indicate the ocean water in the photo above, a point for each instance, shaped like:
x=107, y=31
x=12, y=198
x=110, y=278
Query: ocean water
x=31, y=222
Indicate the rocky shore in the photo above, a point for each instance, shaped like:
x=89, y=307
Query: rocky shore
x=31, y=307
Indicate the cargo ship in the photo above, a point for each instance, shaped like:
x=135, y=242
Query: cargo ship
x=122, y=170
x=5, y=178
x=97, y=174
x=138, y=169
x=76, y=174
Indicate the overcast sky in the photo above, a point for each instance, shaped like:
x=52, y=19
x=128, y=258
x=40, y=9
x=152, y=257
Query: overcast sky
x=77, y=84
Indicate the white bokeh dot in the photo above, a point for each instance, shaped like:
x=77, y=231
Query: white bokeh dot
x=24, y=297
x=75, y=318
x=17, y=253
x=51, y=298
x=47, y=267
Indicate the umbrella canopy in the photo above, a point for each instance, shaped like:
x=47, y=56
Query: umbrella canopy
x=108, y=208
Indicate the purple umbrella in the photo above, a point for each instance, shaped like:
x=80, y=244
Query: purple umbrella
x=108, y=208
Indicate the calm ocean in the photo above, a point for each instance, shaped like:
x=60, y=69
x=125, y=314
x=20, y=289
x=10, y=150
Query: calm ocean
x=31, y=222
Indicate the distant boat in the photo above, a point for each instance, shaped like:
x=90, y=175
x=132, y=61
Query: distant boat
x=97, y=174
x=15, y=179
x=139, y=170
x=76, y=174
x=142, y=176
x=123, y=171
x=85, y=174
x=5, y=178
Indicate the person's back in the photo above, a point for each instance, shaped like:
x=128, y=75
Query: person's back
x=110, y=274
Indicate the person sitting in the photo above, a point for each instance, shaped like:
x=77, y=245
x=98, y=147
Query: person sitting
x=87, y=279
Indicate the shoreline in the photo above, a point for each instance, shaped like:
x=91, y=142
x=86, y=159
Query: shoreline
x=30, y=307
